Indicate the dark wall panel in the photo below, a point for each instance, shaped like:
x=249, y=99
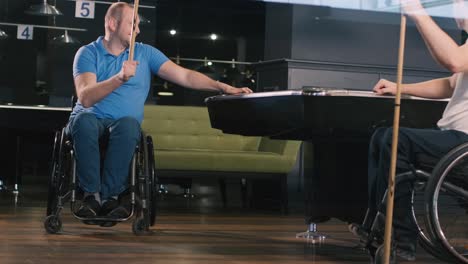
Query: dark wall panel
x=337, y=48
x=344, y=36
x=278, y=31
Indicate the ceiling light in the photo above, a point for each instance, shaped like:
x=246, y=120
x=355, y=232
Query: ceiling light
x=144, y=20
x=43, y=9
x=172, y=32
x=3, y=34
x=65, y=39
x=165, y=94
x=213, y=36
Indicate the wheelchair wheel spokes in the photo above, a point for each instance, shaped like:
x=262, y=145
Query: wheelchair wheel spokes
x=451, y=223
x=424, y=237
x=58, y=186
x=52, y=196
x=447, y=202
x=153, y=183
x=456, y=188
x=143, y=220
x=54, y=178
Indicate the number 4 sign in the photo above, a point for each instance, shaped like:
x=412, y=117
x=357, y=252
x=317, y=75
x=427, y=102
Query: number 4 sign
x=84, y=9
x=25, y=32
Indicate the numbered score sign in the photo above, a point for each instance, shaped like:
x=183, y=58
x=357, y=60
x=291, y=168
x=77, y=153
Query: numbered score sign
x=84, y=9
x=25, y=32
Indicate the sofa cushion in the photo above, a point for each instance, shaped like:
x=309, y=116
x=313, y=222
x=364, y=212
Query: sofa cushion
x=188, y=127
x=184, y=140
x=227, y=161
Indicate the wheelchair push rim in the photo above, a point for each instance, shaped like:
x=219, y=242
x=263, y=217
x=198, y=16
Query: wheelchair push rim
x=447, y=194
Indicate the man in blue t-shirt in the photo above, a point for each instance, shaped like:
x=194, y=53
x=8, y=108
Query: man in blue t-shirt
x=111, y=93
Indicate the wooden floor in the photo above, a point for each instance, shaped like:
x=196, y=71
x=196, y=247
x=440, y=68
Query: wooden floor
x=195, y=237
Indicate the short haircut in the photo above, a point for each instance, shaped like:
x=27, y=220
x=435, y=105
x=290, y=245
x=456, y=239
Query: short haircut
x=115, y=11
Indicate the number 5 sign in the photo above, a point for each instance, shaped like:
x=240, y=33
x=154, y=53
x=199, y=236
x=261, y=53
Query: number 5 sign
x=25, y=32
x=84, y=9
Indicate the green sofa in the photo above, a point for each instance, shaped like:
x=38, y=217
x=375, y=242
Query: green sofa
x=185, y=145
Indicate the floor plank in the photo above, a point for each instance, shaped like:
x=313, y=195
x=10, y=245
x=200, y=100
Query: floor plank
x=179, y=237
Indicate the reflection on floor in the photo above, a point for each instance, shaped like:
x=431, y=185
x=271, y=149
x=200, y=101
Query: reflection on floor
x=197, y=232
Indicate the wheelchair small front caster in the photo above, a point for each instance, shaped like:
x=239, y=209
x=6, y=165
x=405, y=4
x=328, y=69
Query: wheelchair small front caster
x=379, y=255
x=53, y=224
x=140, y=227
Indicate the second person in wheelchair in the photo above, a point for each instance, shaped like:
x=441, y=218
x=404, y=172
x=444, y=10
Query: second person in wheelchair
x=414, y=143
x=111, y=93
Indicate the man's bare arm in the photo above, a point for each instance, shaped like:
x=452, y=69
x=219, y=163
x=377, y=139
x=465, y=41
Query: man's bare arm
x=442, y=47
x=195, y=80
x=435, y=89
x=89, y=91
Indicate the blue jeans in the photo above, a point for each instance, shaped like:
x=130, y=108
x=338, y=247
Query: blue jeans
x=412, y=145
x=123, y=135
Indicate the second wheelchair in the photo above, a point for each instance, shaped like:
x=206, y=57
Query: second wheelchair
x=443, y=221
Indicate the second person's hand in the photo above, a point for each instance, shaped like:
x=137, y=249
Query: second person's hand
x=385, y=87
x=412, y=7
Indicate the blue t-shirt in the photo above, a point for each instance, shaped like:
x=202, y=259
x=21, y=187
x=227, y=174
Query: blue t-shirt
x=130, y=97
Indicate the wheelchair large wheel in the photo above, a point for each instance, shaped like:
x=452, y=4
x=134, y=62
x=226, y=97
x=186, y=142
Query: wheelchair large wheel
x=52, y=197
x=446, y=200
x=153, y=182
x=56, y=183
x=146, y=183
x=419, y=214
x=418, y=180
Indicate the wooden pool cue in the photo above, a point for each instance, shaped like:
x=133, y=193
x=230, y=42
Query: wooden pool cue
x=396, y=125
x=133, y=34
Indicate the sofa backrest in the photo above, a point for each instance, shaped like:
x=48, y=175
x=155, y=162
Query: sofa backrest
x=188, y=127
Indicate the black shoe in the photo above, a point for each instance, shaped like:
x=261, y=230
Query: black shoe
x=108, y=206
x=360, y=232
x=89, y=208
x=368, y=239
x=120, y=212
x=125, y=207
x=405, y=254
x=406, y=247
x=106, y=209
x=115, y=210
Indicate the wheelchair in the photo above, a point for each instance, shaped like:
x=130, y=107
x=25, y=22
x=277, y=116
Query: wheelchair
x=63, y=186
x=443, y=221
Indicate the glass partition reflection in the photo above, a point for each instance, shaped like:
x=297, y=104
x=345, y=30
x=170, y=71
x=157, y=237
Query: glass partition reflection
x=438, y=8
x=357, y=38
